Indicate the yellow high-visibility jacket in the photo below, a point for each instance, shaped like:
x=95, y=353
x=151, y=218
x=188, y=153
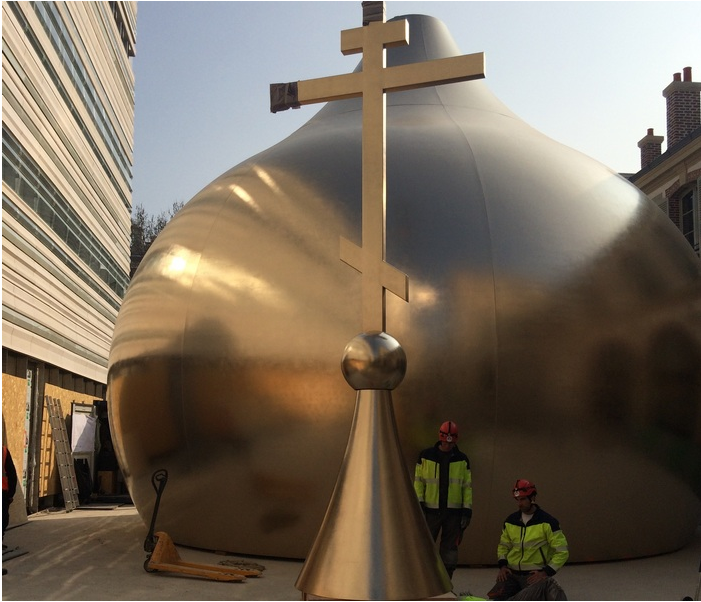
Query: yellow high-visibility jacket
x=427, y=480
x=539, y=544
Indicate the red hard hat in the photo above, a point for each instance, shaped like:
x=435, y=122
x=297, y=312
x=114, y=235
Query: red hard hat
x=448, y=431
x=524, y=488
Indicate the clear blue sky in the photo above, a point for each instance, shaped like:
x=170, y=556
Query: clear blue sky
x=588, y=74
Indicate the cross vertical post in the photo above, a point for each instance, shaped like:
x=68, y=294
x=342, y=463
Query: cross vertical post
x=378, y=276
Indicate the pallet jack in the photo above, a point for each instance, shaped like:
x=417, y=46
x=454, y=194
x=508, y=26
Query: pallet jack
x=163, y=556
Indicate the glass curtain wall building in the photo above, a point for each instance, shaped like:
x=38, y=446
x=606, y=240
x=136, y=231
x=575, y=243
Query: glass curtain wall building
x=67, y=153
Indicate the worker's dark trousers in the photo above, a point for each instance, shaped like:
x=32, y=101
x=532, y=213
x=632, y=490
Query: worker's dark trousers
x=447, y=523
x=5, y=512
x=516, y=588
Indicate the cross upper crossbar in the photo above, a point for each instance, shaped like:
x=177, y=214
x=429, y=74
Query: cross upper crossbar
x=395, y=79
x=372, y=83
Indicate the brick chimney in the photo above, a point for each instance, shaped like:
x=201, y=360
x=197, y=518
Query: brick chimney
x=650, y=148
x=683, y=107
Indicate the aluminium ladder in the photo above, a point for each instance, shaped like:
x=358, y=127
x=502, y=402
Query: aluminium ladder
x=64, y=455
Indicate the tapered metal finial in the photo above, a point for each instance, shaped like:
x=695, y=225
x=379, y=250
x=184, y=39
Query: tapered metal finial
x=373, y=543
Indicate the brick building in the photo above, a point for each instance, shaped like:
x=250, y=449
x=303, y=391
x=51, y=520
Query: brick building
x=673, y=179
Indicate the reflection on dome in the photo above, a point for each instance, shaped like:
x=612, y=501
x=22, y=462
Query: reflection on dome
x=551, y=316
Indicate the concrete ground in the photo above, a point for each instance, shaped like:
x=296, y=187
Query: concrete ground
x=97, y=554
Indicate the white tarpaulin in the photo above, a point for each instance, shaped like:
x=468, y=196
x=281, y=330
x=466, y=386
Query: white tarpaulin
x=83, y=433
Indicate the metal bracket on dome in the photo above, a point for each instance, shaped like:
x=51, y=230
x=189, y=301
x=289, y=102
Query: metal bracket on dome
x=283, y=97
x=373, y=11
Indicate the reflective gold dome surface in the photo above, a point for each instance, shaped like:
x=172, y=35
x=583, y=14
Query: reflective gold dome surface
x=553, y=314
